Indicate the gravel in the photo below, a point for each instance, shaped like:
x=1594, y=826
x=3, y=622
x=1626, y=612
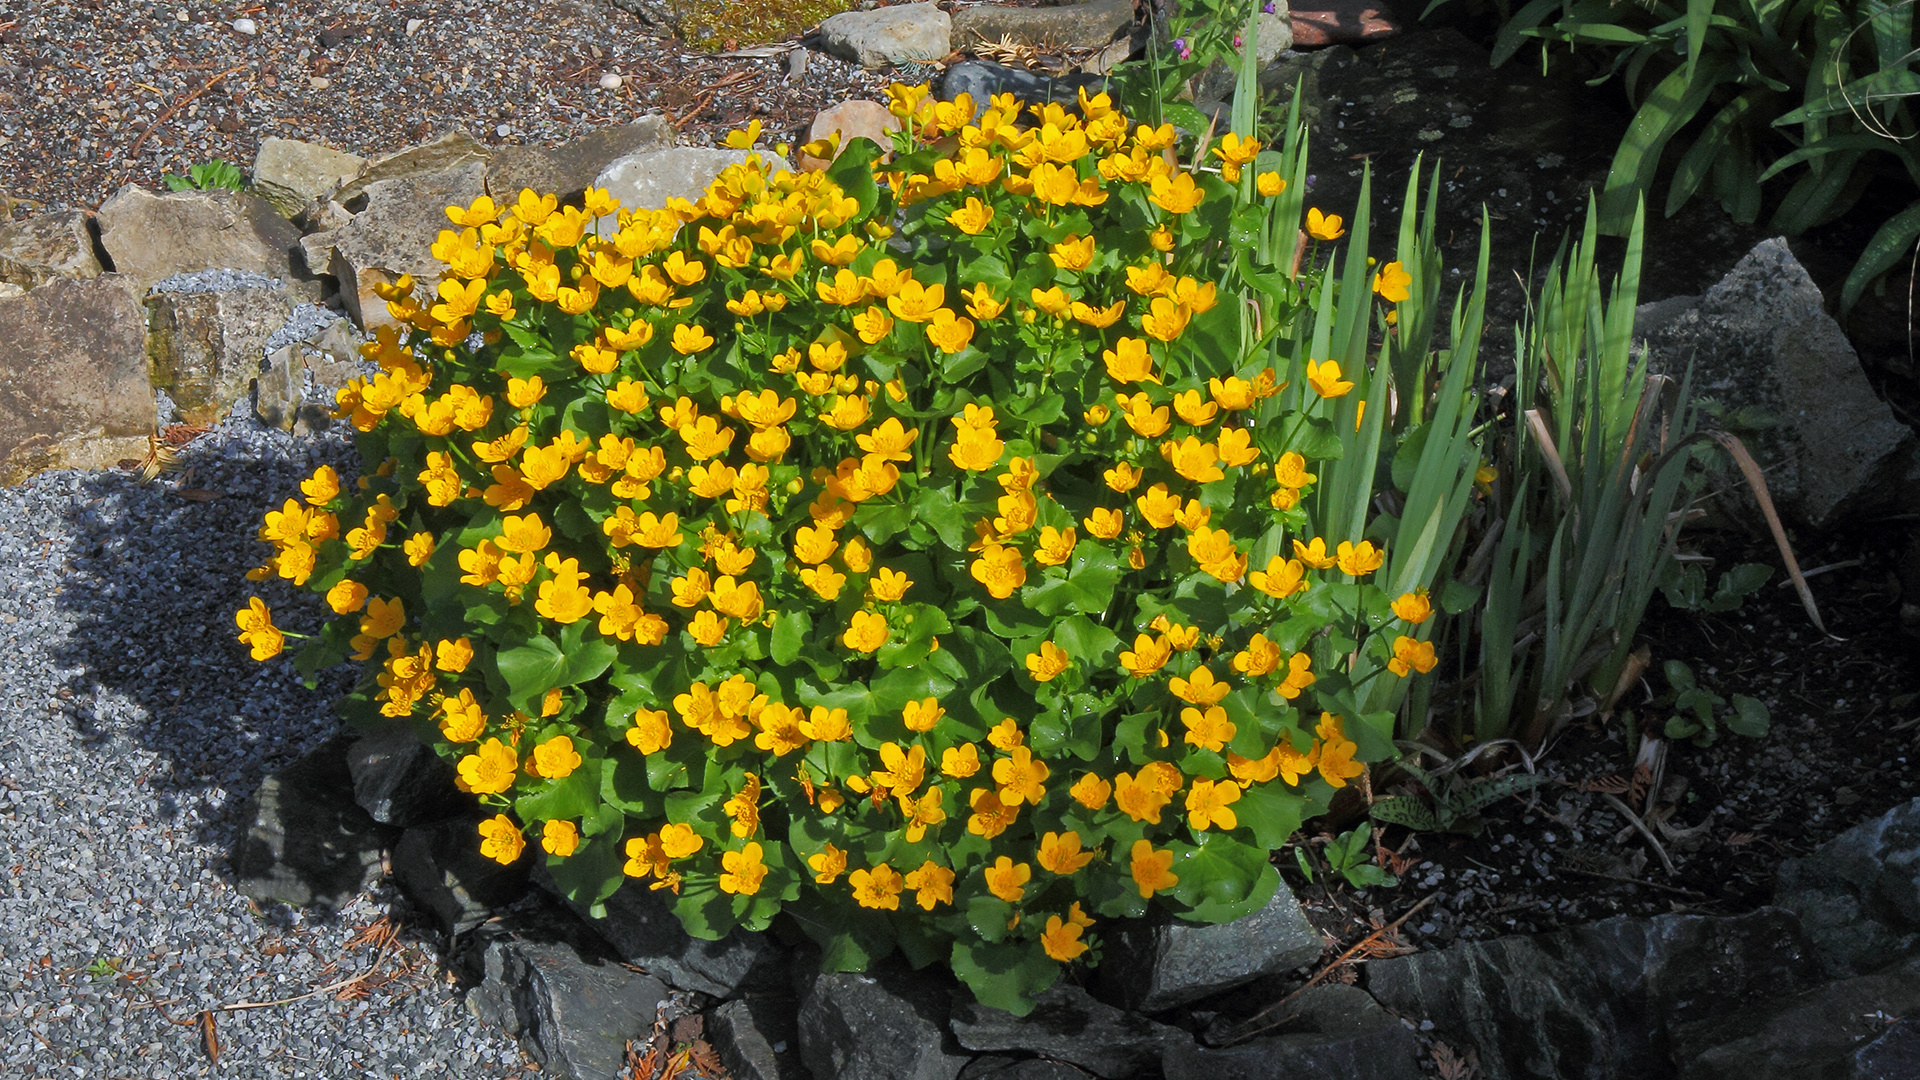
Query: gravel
x=132, y=729
x=83, y=81
x=207, y=281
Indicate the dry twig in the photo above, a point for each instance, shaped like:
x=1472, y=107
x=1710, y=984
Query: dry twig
x=1329, y=969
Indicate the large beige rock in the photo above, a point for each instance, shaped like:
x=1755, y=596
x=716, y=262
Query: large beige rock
x=73, y=378
x=44, y=248
x=650, y=179
x=206, y=347
x=569, y=169
x=449, y=152
x=392, y=236
x=853, y=119
x=1087, y=25
x=151, y=236
x=291, y=174
x=296, y=388
x=890, y=35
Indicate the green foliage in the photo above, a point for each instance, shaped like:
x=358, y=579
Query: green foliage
x=738, y=23
x=1698, y=713
x=1737, y=92
x=1351, y=856
x=208, y=176
x=1449, y=802
x=1685, y=586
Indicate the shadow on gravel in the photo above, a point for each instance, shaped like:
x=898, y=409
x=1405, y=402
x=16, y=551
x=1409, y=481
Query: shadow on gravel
x=154, y=572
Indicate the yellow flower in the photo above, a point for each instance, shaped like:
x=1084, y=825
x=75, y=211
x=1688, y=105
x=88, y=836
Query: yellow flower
x=1048, y=662
x=1393, y=283
x=1074, y=253
x=1334, y=756
x=1260, y=657
x=1291, y=471
x=1324, y=226
x=1007, y=879
x=1061, y=940
x=889, y=585
x=501, y=840
x=1000, y=569
x=1209, y=803
x=981, y=303
x=490, y=769
x=990, y=816
x=1209, y=730
x=1020, y=776
x=1148, y=655
x=1060, y=853
x=1177, y=195
x=559, y=838
x=1201, y=689
x=1270, y=184
x=1358, y=560
x=1152, y=870
x=1122, y=477
x=1194, y=460
x=1129, y=362
x=679, y=841
x=707, y=628
x=1055, y=546
x=1313, y=554
x=915, y=302
x=1143, y=417
x=932, y=884
x=825, y=581
x=1052, y=301
x=1091, y=791
x=1410, y=655
x=1165, y=319
x=1281, y=579
x=1103, y=523
x=877, y=888
x=1413, y=607
x=258, y=632
x=650, y=732
x=960, y=762
x=322, y=487
x=1325, y=379
x=743, y=869
x=865, y=632
x=690, y=338
x=828, y=863
x=971, y=218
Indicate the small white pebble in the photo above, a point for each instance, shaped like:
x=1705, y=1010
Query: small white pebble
x=182, y=16
x=414, y=25
x=319, y=82
x=244, y=26
x=610, y=81
x=503, y=131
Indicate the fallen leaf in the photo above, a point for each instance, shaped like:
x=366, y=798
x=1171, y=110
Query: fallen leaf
x=212, y=1039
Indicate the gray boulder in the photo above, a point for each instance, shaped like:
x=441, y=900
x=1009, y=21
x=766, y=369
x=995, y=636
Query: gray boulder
x=569, y=169
x=393, y=235
x=1275, y=38
x=73, y=378
x=1858, y=895
x=1067, y=1024
x=1155, y=965
x=652, y=177
x=297, y=386
x=398, y=780
x=1820, y=1033
x=980, y=80
x=885, y=1024
x=152, y=236
x=447, y=153
x=758, y=1037
x=1331, y=1032
x=887, y=36
x=571, y=1007
x=643, y=930
x=1087, y=25
x=46, y=248
x=1762, y=338
x=440, y=868
x=1893, y=1055
x=305, y=842
x=1595, y=1002
x=994, y=1067
x=291, y=174
x=206, y=347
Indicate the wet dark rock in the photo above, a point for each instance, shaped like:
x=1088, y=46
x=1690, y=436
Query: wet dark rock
x=549, y=983
x=982, y=80
x=398, y=780
x=885, y=1024
x=305, y=841
x=1858, y=895
x=1894, y=1055
x=758, y=1037
x=1337, y=1032
x=644, y=931
x=1006, y=1068
x=1813, y=1035
x=1067, y=1024
x=1596, y=1002
x=1151, y=965
x=440, y=868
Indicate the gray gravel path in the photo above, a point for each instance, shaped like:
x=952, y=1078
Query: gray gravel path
x=132, y=729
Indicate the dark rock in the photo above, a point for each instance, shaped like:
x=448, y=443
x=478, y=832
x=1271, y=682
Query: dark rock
x=1067, y=1024
x=555, y=988
x=569, y=169
x=1895, y=1055
x=1086, y=25
x=306, y=842
x=74, y=375
x=152, y=236
x=1342, y=22
x=758, y=1037
x=1858, y=895
x=644, y=931
x=1809, y=1036
x=1156, y=964
x=886, y=1024
x=1006, y=1068
x=1762, y=338
x=982, y=80
x=440, y=868
x=47, y=247
x=1595, y=1002
x=398, y=780
x=1332, y=1032
x=206, y=347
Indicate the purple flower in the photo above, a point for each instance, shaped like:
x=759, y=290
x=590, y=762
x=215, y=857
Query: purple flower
x=1236, y=41
x=1180, y=44
x=1267, y=8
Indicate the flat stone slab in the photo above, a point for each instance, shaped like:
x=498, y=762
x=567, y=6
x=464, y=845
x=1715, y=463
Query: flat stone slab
x=73, y=378
x=569, y=169
x=888, y=36
x=291, y=174
x=1087, y=25
x=152, y=236
x=46, y=248
x=306, y=842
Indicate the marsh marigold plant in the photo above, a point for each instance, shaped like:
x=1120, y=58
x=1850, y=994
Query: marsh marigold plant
x=904, y=545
